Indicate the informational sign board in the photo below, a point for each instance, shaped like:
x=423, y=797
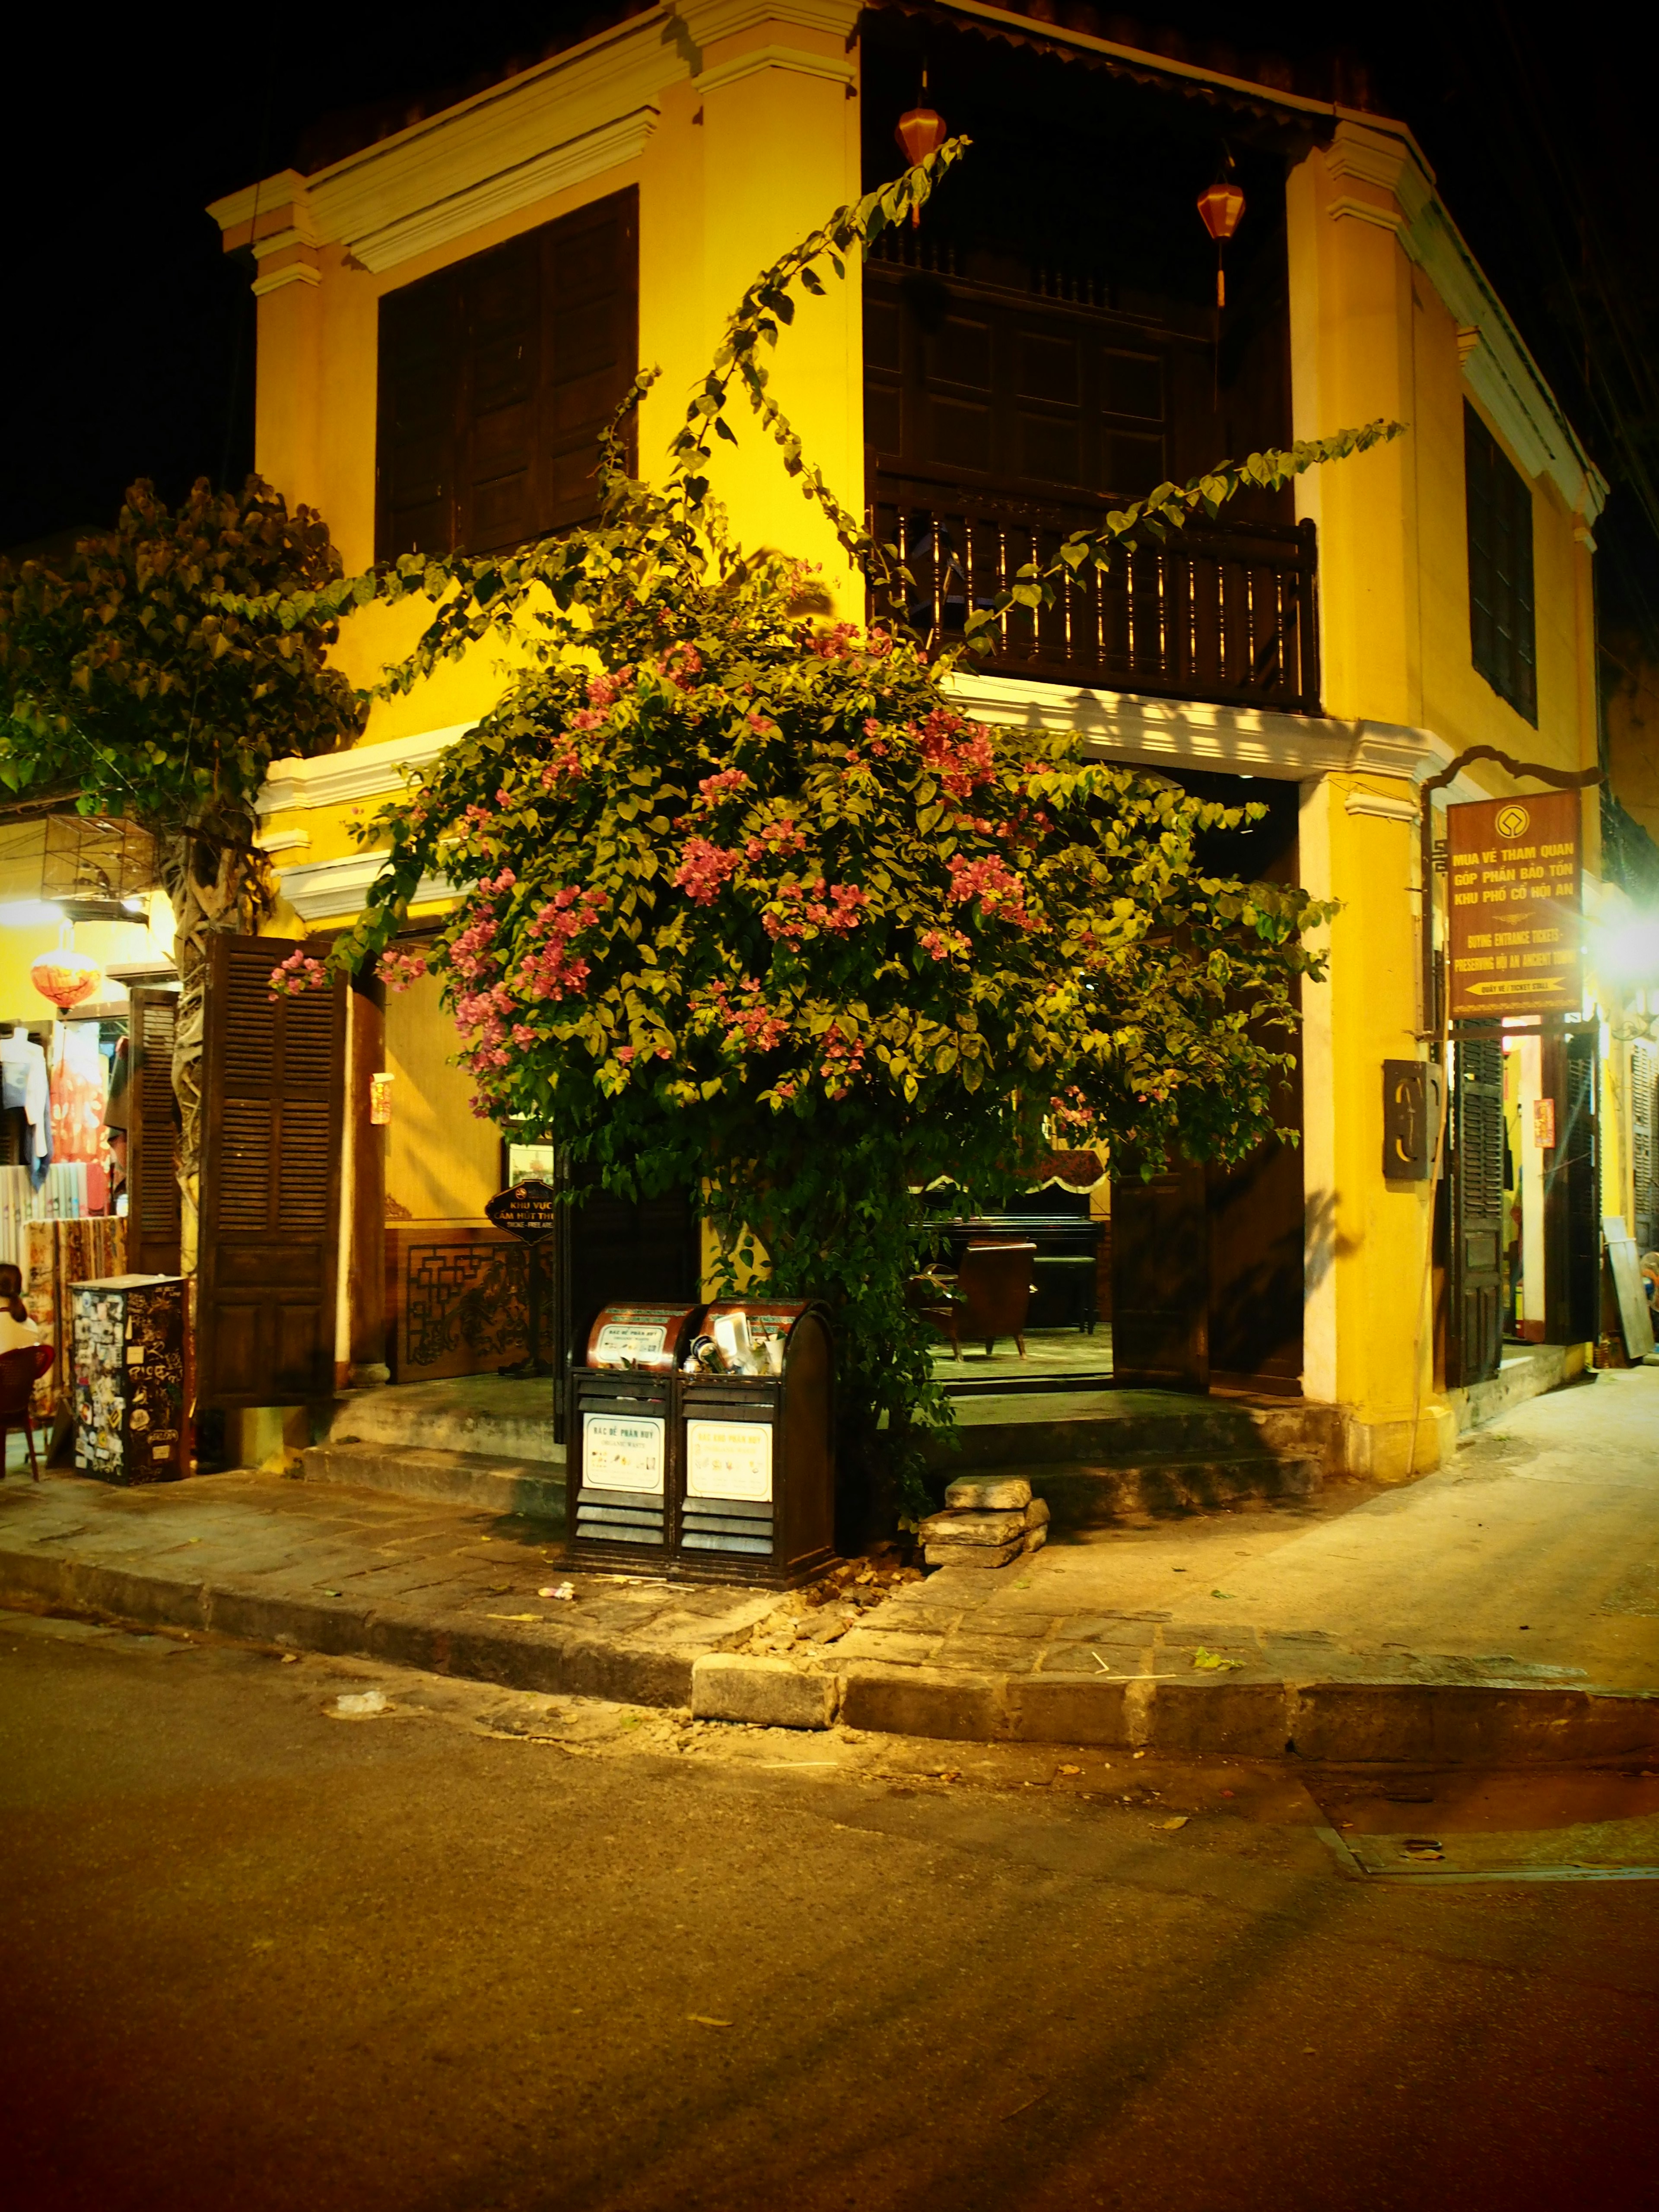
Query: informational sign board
x=529, y=1211
x=622, y=1451
x=1513, y=872
x=728, y=1459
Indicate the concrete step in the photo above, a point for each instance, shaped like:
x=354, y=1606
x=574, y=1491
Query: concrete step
x=477, y=1413
x=1126, y=1428
x=532, y=1488
x=1081, y=1495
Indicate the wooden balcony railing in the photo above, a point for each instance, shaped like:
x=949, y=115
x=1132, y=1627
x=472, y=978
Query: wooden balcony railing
x=1225, y=612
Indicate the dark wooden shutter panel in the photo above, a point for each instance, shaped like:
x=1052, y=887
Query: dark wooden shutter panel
x=590, y=290
x=420, y=365
x=1644, y=1144
x=1475, y=1339
x=153, y=1201
x=1161, y=1280
x=1572, y=1224
x=1503, y=629
x=497, y=378
x=274, y=1100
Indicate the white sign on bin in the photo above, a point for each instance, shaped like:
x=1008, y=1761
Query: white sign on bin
x=630, y=1340
x=728, y=1459
x=623, y=1452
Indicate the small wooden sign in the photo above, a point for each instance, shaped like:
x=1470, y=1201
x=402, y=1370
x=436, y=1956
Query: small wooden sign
x=529, y=1211
x=1543, y=1124
x=1514, y=906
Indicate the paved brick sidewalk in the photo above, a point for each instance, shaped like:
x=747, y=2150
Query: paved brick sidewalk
x=453, y=1589
x=1362, y=1624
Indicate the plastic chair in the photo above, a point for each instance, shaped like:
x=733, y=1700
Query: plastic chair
x=20, y=1371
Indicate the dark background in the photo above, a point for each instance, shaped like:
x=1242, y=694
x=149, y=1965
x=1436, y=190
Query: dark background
x=129, y=338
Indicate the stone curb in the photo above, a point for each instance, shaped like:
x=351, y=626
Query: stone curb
x=1327, y=1723
x=570, y=1666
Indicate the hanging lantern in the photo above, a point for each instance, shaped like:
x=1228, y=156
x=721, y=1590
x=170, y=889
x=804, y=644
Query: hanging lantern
x=65, y=977
x=922, y=131
x=1221, y=210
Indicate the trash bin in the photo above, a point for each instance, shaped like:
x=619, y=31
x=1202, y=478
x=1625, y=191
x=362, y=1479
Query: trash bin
x=755, y=1463
x=624, y=1441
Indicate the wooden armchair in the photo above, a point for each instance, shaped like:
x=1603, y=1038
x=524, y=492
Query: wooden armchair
x=989, y=1295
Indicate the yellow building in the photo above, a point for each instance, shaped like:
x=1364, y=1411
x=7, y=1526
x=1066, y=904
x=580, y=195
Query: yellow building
x=445, y=311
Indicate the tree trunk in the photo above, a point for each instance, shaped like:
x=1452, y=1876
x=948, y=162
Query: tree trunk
x=217, y=879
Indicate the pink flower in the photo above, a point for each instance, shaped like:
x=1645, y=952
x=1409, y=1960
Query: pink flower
x=1000, y=892
x=625, y=1053
x=944, y=944
x=292, y=977
x=397, y=970
x=704, y=871
x=714, y=788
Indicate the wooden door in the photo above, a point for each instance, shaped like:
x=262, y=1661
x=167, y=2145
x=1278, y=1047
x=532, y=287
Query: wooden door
x=1572, y=1227
x=153, y=1201
x=1475, y=1311
x=273, y=1094
x=1161, y=1280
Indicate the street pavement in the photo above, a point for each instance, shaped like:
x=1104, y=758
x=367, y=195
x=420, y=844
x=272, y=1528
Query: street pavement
x=291, y=1932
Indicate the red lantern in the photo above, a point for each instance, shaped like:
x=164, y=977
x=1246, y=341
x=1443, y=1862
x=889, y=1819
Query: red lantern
x=1221, y=210
x=65, y=977
x=922, y=131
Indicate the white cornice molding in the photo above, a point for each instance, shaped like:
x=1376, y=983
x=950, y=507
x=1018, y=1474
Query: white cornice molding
x=572, y=117
x=706, y=20
x=1190, y=733
x=283, y=841
x=1497, y=366
x=590, y=155
x=1385, y=808
x=365, y=772
x=326, y=890
x=839, y=69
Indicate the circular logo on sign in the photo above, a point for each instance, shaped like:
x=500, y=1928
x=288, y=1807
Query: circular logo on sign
x=1513, y=821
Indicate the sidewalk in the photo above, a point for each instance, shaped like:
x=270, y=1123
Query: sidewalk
x=1506, y=1608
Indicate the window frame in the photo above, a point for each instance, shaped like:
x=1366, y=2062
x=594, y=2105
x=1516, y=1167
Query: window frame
x=1503, y=597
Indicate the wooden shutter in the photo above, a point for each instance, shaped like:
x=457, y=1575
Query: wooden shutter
x=497, y=378
x=1643, y=1145
x=1475, y=1335
x=1161, y=1280
x=1503, y=641
x=153, y=1201
x=590, y=293
x=1572, y=1225
x=274, y=1097
x=420, y=363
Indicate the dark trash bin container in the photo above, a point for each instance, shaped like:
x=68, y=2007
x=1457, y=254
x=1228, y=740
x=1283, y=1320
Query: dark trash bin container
x=754, y=1461
x=622, y=1437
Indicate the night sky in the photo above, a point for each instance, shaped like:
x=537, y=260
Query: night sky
x=129, y=337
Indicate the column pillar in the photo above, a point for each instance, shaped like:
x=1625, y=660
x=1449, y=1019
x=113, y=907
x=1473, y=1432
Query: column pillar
x=365, y=1191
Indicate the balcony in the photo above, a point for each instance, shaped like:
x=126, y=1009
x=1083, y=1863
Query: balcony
x=1223, y=612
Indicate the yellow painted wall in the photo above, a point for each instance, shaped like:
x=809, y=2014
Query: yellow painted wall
x=442, y=1163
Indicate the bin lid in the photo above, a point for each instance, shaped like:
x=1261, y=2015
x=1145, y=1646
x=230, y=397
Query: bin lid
x=649, y=1337
x=736, y=1325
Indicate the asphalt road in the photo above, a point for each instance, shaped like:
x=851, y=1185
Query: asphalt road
x=476, y=1950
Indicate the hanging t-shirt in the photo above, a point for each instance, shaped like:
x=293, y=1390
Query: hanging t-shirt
x=77, y=1093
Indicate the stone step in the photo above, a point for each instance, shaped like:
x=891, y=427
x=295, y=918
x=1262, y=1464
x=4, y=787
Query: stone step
x=1085, y=1495
x=530, y=1487
x=486, y=1413
x=1124, y=1428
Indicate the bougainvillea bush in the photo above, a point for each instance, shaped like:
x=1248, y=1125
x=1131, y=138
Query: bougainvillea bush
x=750, y=905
